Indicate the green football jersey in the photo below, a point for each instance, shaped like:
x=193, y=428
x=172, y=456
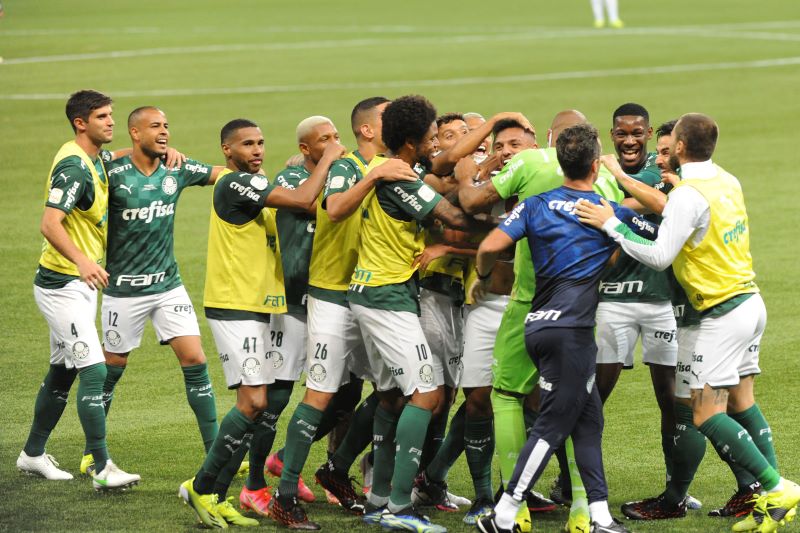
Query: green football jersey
x=140, y=259
x=628, y=280
x=296, y=237
x=533, y=172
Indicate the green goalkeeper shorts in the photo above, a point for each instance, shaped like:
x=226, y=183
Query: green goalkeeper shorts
x=512, y=367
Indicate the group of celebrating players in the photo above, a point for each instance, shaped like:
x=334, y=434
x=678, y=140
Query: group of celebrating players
x=443, y=253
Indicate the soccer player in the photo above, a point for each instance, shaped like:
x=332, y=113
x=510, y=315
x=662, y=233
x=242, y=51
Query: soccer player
x=65, y=290
x=144, y=281
x=635, y=299
x=383, y=297
x=335, y=345
x=612, y=9
x=568, y=261
x=705, y=237
x=243, y=286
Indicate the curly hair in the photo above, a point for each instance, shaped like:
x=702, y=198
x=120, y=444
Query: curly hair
x=577, y=148
x=407, y=118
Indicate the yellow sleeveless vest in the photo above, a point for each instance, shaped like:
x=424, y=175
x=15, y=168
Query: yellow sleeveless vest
x=243, y=270
x=388, y=246
x=720, y=267
x=87, y=229
x=335, y=249
x=450, y=264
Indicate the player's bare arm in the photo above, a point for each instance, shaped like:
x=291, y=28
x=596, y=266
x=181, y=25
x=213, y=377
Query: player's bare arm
x=648, y=198
x=304, y=198
x=94, y=275
x=453, y=217
x=488, y=252
x=473, y=198
x=343, y=204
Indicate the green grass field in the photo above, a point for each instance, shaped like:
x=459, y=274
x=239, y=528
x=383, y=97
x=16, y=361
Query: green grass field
x=206, y=62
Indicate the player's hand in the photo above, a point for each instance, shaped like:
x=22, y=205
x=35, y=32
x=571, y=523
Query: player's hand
x=592, y=214
x=174, y=158
x=394, y=169
x=612, y=164
x=671, y=178
x=479, y=289
x=465, y=170
x=93, y=274
x=334, y=151
x=432, y=252
x=489, y=165
x=513, y=115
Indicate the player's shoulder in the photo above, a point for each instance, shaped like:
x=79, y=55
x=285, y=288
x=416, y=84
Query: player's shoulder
x=70, y=163
x=290, y=177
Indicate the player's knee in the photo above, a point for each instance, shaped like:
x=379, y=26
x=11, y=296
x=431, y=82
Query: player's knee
x=479, y=404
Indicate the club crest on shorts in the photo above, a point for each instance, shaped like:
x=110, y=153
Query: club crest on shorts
x=169, y=185
x=80, y=350
x=426, y=374
x=317, y=372
x=251, y=366
x=113, y=338
x=277, y=359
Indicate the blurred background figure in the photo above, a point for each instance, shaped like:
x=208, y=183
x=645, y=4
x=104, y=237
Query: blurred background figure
x=611, y=9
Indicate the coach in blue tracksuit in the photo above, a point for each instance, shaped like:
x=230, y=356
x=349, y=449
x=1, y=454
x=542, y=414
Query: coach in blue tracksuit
x=569, y=259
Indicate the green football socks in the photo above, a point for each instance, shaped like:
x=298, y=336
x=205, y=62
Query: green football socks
x=753, y=421
x=50, y=403
x=384, y=429
x=479, y=449
x=451, y=448
x=358, y=436
x=200, y=395
x=91, y=412
x=299, y=438
x=231, y=435
x=410, y=438
x=509, y=432
x=687, y=453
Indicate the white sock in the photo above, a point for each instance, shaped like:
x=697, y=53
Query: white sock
x=612, y=9
x=597, y=9
x=600, y=514
x=506, y=512
x=777, y=487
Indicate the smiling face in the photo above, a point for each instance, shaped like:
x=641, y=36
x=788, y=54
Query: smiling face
x=245, y=149
x=630, y=135
x=150, y=132
x=450, y=133
x=428, y=146
x=662, y=149
x=511, y=141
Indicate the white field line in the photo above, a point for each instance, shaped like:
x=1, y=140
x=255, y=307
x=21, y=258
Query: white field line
x=708, y=32
x=478, y=80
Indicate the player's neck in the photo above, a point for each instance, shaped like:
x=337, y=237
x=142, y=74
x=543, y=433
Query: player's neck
x=143, y=162
x=309, y=164
x=578, y=185
x=367, y=150
x=88, y=145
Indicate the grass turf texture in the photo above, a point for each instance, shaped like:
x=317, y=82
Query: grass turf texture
x=291, y=60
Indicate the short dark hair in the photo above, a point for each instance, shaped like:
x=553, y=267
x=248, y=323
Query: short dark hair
x=234, y=125
x=407, y=118
x=699, y=133
x=666, y=128
x=134, y=115
x=631, y=110
x=577, y=148
x=364, y=105
x=506, y=124
x=447, y=118
x=82, y=103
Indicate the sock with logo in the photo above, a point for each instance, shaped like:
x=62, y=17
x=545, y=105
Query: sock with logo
x=201, y=399
x=434, y=438
x=92, y=413
x=278, y=395
x=223, y=480
x=113, y=375
x=753, y=421
x=410, y=439
x=299, y=438
x=50, y=403
x=688, y=452
x=509, y=432
x=342, y=404
x=358, y=436
x=384, y=430
x=479, y=449
x=451, y=448
x=732, y=440
x=231, y=435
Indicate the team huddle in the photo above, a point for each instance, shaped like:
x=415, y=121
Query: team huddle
x=446, y=252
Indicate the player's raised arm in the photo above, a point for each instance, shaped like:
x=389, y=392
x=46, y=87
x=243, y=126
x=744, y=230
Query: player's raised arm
x=341, y=205
x=652, y=200
x=305, y=196
x=474, y=197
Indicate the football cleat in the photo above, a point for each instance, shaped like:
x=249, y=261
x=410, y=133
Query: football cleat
x=599, y=23
x=460, y=501
x=372, y=514
x=560, y=494
x=340, y=486
x=244, y=468
x=204, y=505
x=487, y=524
x=112, y=477
x=578, y=522
x=232, y=516
x=274, y=466
x=43, y=465
x=772, y=510
x=654, y=509
x=614, y=527
x=289, y=512
x=537, y=503
x=431, y=493
x=617, y=24
x=366, y=472
x=87, y=464
x=255, y=500
x=692, y=503
x=740, y=504
x=409, y=519
x=480, y=508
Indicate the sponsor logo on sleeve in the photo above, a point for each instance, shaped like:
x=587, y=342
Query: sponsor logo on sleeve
x=337, y=182
x=426, y=193
x=259, y=183
x=196, y=168
x=55, y=196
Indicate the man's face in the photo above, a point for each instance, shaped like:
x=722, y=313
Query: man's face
x=99, y=126
x=630, y=135
x=511, y=141
x=427, y=147
x=662, y=149
x=449, y=134
x=474, y=122
x=151, y=132
x=245, y=148
x=376, y=123
x=316, y=141
x=675, y=147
